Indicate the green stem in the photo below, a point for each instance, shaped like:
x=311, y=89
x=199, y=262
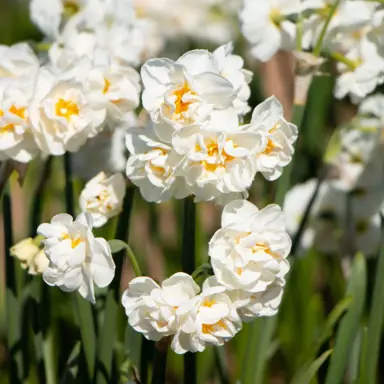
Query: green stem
x=160, y=361
x=188, y=266
x=37, y=204
x=221, y=365
x=299, y=33
x=375, y=324
x=13, y=310
x=69, y=198
x=342, y=59
x=319, y=43
x=106, y=341
x=82, y=307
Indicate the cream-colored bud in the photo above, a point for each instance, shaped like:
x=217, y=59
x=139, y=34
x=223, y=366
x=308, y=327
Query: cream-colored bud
x=39, y=264
x=26, y=251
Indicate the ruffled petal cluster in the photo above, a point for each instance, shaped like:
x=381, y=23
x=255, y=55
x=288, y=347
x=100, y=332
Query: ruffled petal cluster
x=77, y=260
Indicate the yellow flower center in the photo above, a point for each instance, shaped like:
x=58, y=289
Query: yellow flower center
x=264, y=248
x=71, y=7
x=276, y=17
x=270, y=148
x=20, y=112
x=208, y=303
x=210, y=328
x=213, y=151
x=66, y=108
x=74, y=241
x=182, y=106
x=107, y=85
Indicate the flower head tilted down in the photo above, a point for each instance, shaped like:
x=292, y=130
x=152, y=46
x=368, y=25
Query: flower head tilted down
x=77, y=260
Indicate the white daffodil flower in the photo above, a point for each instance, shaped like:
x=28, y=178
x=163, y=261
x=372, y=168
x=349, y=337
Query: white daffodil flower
x=208, y=319
x=48, y=16
x=373, y=105
x=18, y=61
x=77, y=260
x=151, y=309
x=16, y=139
x=185, y=92
x=117, y=90
x=217, y=160
x=252, y=305
x=61, y=116
x=231, y=67
x=365, y=75
x=268, y=120
x=102, y=197
x=322, y=226
x=250, y=251
x=152, y=166
x=350, y=16
x=265, y=25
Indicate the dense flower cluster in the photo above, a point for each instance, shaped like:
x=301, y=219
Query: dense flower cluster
x=353, y=191
x=248, y=256
x=353, y=36
x=195, y=143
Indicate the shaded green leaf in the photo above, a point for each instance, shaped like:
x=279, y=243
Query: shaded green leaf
x=349, y=325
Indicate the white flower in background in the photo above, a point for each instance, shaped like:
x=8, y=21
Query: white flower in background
x=217, y=160
x=151, y=309
x=250, y=251
x=16, y=139
x=350, y=17
x=321, y=230
x=103, y=197
x=357, y=149
x=152, y=166
x=48, y=16
x=373, y=105
x=264, y=24
x=185, y=92
x=18, y=61
x=268, y=120
x=61, y=116
x=117, y=90
x=364, y=74
x=208, y=319
x=231, y=67
x=77, y=260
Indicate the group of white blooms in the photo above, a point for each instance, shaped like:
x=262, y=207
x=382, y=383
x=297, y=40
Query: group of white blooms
x=354, y=37
x=352, y=193
x=248, y=256
x=81, y=95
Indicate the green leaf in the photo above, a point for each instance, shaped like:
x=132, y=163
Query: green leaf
x=72, y=366
x=310, y=372
x=349, y=325
x=375, y=324
x=259, y=342
x=85, y=321
x=117, y=245
x=332, y=319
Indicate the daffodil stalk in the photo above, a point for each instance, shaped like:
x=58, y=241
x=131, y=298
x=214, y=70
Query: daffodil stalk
x=109, y=329
x=188, y=266
x=83, y=310
x=13, y=309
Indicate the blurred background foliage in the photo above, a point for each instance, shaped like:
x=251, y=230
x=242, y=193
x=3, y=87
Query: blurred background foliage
x=269, y=350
